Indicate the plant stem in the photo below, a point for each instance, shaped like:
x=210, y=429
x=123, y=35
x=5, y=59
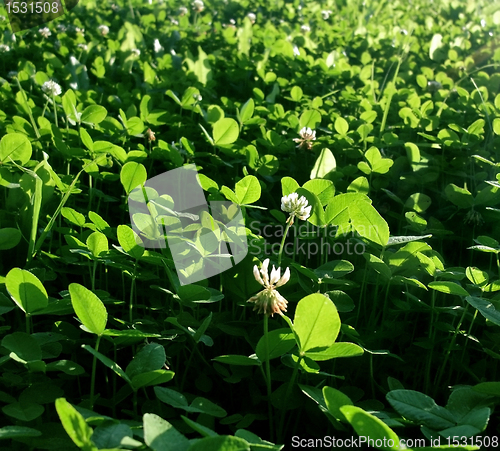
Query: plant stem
x=92, y=380
x=285, y=401
x=283, y=239
x=268, y=379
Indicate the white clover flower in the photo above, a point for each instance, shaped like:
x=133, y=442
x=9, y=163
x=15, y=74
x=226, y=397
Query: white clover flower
x=150, y=135
x=174, y=21
x=12, y=74
x=269, y=301
x=103, y=29
x=483, y=23
x=306, y=137
x=434, y=86
x=232, y=21
x=83, y=47
x=172, y=52
x=51, y=88
x=296, y=51
x=296, y=207
x=4, y=48
x=2, y=18
x=305, y=28
x=183, y=11
x=252, y=17
x=61, y=28
x=158, y=47
x=326, y=14
x=115, y=7
x=136, y=52
x=45, y=32
x=197, y=97
x=198, y=6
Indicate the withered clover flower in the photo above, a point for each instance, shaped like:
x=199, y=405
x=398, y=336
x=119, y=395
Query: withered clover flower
x=306, y=137
x=150, y=135
x=269, y=301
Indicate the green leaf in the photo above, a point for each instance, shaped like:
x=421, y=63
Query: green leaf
x=201, y=67
x=151, y=378
x=94, y=114
x=23, y=411
x=248, y=190
x=379, y=266
x=310, y=118
x=151, y=357
x=15, y=147
x=160, y=435
x=341, y=126
x=9, y=238
x=8, y=432
x=324, y=189
x=461, y=197
x=436, y=44
x=416, y=406
x=325, y=163
x=97, y=243
x=316, y=323
x=278, y=343
x=488, y=388
x=221, y=443
x=334, y=400
x=74, y=424
x=296, y=93
x=26, y=290
x=23, y=345
x=368, y=425
x=412, y=152
x=485, y=307
x=239, y=360
x=202, y=405
x=418, y=202
x=89, y=308
x=107, y=436
x=225, y=131
x=108, y=362
x=368, y=222
x=132, y=175
x=448, y=287
x=73, y=216
x=247, y=111
x=288, y=186
x=130, y=242
x=335, y=351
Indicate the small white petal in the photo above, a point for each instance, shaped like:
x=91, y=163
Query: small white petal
x=257, y=275
x=275, y=275
x=284, y=279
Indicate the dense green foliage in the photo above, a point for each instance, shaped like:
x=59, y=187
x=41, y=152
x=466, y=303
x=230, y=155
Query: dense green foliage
x=392, y=325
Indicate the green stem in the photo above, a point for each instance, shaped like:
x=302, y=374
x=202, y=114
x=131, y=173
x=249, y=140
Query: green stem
x=92, y=380
x=290, y=222
x=285, y=401
x=450, y=347
x=55, y=109
x=268, y=378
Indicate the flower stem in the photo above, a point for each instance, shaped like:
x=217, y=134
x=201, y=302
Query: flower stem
x=285, y=401
x=289, y=224
x=268, y=379
x=92, y=380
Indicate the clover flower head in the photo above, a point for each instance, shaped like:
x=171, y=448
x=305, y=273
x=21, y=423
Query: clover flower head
x=183, y=11
x=45, y=32
x=158, y=47
x=150, y=135
x=51, y=88
x=103, y=29
x=305, y=28
x=296, y=206
x=198, y=6
x=326, y=14
x=83, y=47
x=2, y=18
x=296, y=51
x=136, y=52
x=4, y=48
x=115, y=7
x=306, y=137
x=269, y=301
x=61, y=28
x=252, y=17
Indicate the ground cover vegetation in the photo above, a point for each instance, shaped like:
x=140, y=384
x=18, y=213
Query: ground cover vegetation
x=360, y=140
